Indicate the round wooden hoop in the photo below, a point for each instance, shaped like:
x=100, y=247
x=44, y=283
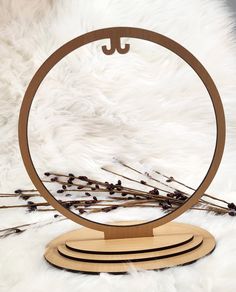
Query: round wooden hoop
x=114, y=34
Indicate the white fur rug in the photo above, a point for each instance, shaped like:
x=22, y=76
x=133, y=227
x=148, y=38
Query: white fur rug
x=146, y=107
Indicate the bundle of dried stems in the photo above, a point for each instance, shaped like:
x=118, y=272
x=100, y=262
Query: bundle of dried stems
x=156, y=192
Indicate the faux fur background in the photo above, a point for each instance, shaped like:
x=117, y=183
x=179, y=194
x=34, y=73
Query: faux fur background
x=147, y=108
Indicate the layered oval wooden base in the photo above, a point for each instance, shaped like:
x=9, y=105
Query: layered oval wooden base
x=86, y=250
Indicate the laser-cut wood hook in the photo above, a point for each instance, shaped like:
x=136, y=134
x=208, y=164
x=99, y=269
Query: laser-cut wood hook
x=115, y=45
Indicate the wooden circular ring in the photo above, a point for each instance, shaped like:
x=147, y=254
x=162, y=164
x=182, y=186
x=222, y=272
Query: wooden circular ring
x=113, y=33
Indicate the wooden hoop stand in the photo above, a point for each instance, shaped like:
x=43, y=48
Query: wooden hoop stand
x=116, y=247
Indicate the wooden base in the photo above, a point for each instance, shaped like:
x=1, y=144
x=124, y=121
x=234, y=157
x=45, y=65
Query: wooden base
x=86, y=250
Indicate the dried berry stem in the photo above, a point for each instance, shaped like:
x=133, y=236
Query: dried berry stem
x=171, y=179
x=18, y=229
x=23, y=206
x=190, y=188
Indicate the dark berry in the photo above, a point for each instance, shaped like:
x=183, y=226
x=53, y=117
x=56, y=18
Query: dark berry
x=154, y=191
x=170, y=179
x=32, y=207
x=164, y=205
x=84, y=178
x=231, y=206
x=67, y=205
x=18, y=191
x=60, y=191
x=70, y=180
x=24, y=197
x=17, y=230
x=114, y=207
x=107, y=209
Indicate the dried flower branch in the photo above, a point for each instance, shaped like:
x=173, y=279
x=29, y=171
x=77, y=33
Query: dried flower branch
x=118, y=196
